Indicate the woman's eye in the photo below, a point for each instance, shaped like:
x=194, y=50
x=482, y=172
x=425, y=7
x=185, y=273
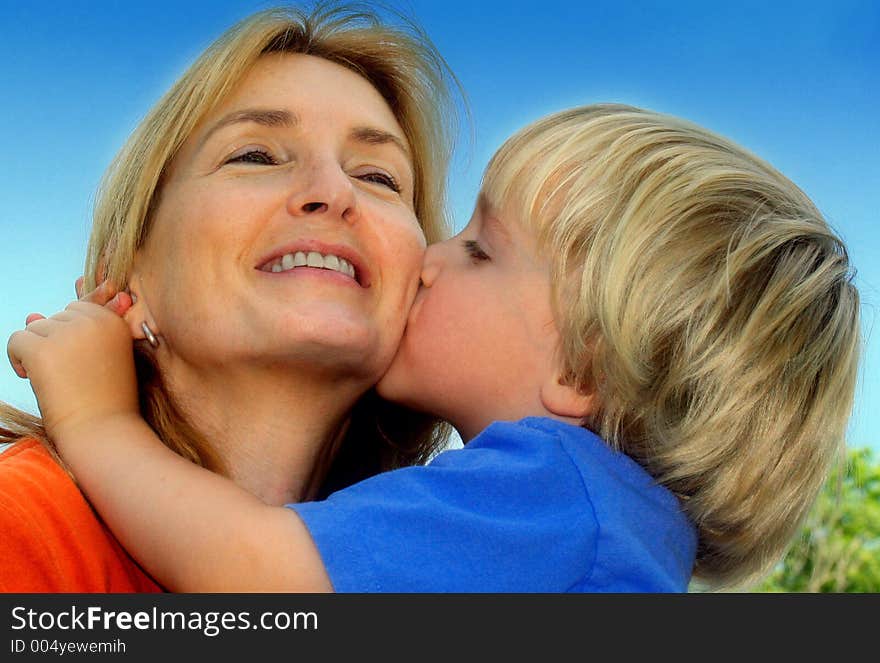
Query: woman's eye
x=381, y=178
x=260, y=157
x=474, y=251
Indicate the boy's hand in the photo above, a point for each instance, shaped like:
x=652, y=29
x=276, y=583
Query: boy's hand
x=79, y=361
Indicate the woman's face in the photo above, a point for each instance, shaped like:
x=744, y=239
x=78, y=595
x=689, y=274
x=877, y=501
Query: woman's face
x=285, y=230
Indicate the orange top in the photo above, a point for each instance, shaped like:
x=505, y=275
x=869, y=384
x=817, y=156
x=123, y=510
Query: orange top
x=50, y=538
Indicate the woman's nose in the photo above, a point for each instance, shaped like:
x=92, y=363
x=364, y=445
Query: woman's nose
x=310, y=208
x=322, y=188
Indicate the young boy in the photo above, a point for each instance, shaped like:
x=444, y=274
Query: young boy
x=646, y=337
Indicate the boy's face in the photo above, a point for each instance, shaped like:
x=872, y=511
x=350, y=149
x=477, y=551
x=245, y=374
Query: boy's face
x=480, y=338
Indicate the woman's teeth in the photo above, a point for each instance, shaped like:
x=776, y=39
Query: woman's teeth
x=311, y=259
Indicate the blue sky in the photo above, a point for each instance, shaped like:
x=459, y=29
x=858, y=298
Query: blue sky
x=798, y=83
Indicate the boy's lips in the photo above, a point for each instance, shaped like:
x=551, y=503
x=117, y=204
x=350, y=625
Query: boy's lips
x=416, y=306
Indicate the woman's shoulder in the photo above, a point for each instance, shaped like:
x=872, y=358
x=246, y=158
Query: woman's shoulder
x=25, y=444
x=52, y=540
x=26, y=467
x=31, y=477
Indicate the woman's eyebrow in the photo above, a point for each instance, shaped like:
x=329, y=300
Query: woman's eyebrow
x=282, y=118
x=267, y=117
x=374, y=136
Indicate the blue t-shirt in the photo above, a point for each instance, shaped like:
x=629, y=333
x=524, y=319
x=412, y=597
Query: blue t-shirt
x=532, y=506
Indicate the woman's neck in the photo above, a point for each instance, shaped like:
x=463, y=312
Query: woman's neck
x=268, y=428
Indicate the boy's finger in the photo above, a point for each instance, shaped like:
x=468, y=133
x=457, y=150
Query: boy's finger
x=40, y=327
x=79, y=287
x=120, y=303
x=18, y=344
x=100, y=295
x=64, y=316
x=88, y=309
x=32, y=317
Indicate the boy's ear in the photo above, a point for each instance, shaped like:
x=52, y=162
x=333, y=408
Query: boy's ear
x=561, y=397
x=139, y=312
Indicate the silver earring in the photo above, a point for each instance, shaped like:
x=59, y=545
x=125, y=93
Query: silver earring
x=151, y=337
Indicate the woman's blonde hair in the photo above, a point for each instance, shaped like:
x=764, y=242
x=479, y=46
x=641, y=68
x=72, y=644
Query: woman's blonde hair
x=402, y=64
x=703, y=297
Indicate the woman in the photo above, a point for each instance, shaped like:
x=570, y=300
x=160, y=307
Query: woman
x=294, y=138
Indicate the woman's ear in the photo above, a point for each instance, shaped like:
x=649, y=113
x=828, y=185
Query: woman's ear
x=562, y=397
x=139, y=312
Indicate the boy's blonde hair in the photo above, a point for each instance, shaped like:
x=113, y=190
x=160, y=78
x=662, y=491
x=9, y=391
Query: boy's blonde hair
x=705, y=299
x=400, y=62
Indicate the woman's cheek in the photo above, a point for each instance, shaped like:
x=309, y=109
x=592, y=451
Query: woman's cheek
x=409, y=259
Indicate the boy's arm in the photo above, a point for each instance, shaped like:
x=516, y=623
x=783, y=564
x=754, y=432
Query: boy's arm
x=192, y=530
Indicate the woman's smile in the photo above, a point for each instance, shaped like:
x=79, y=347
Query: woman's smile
x=306, y=256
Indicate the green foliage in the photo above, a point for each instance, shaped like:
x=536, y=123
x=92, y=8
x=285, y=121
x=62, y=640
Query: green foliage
x=838, y=549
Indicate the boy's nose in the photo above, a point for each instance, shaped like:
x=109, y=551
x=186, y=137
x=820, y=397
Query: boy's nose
x=322, y=188
x=431, y=264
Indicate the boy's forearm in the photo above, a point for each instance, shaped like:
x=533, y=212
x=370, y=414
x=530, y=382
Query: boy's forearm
x=193, y=530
